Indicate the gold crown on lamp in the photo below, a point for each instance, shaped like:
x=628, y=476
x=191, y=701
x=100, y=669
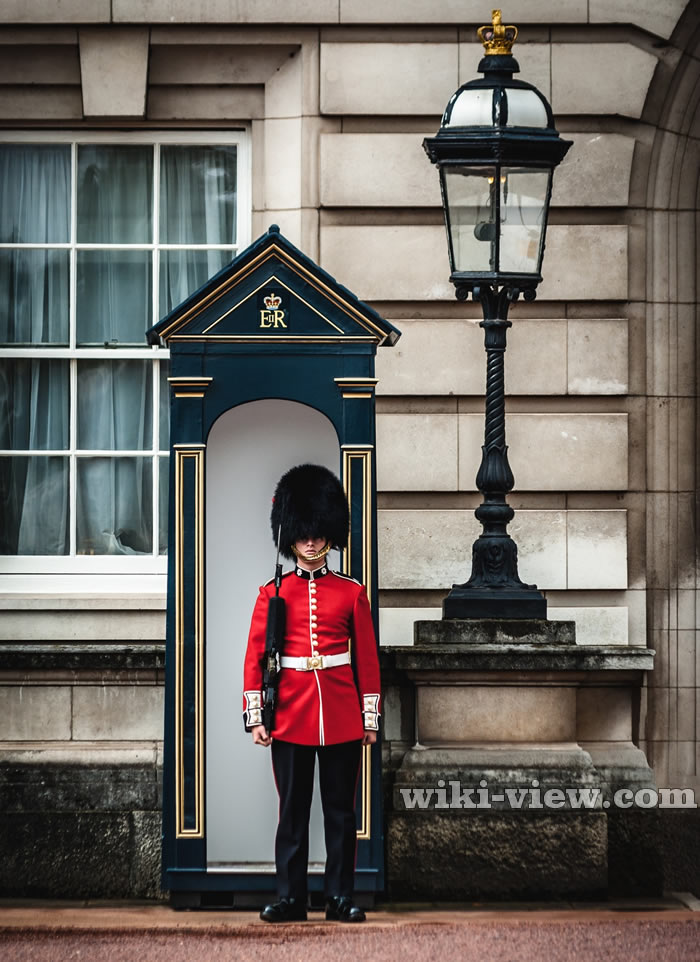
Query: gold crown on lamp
x=272, y=302
x=497, y=39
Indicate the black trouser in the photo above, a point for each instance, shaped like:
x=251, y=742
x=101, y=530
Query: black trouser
x=293, y=767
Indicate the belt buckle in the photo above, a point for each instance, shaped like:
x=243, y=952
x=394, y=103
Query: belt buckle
x=315, y=661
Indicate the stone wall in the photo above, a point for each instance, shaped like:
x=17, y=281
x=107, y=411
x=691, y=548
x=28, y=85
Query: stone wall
x=80, y=770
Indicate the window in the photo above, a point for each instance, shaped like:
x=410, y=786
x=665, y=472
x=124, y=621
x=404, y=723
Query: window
x=100, y=235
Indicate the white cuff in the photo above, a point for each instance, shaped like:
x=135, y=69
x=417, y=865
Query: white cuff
x=370, y=712
x=253, y=708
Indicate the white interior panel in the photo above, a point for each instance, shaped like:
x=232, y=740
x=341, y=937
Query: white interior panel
x=248, y=449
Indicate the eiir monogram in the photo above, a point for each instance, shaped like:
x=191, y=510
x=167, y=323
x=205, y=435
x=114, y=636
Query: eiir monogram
x=272, y=316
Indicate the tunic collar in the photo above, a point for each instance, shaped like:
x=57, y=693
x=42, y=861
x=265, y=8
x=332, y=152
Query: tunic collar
x=311, y=575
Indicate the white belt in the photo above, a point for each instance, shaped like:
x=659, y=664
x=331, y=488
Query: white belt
x=315, y=661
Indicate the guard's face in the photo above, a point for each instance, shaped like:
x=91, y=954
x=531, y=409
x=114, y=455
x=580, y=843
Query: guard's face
x=309, y=547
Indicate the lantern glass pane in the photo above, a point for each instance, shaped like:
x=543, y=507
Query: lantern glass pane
x=523, y=208
x=471, y=209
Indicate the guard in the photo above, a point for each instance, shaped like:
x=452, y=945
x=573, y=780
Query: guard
x=328, y=695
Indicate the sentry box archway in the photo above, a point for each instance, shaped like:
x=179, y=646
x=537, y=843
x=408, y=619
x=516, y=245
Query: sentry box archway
x=272, y=364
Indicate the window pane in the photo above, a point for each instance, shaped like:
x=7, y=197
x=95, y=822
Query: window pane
x=34, y=295
x=114, y=506
x=115, y=194
x=113, y=297
x=34, y=193
x=198, y=195
x=34, y=411
x=163, y=479
x=164, y=427
x=115, y=405
x=34, y=506
x=183, y=272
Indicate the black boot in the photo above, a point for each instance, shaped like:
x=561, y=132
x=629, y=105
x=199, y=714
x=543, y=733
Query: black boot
x=286, y=910
x=340, y=908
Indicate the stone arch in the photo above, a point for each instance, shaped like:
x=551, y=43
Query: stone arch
x=666, y=182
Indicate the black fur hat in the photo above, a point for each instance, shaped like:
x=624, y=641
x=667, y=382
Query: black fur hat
x=309, y=502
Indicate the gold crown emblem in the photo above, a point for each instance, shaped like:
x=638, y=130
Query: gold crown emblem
x=496, y=38
x=272, y=302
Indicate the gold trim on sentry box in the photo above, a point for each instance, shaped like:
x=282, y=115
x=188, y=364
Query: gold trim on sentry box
x=366, y=383
x=363, y=453
x=365, y=829
x=276, y=338
x=189, y=386
x=183, y=453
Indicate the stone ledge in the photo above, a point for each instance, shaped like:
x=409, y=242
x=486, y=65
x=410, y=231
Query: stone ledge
x=22, y=601
x=60, y=657
x=58, y=787
x=521, y=657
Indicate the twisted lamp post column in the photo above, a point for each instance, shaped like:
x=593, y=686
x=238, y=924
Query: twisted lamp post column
x=494, y=588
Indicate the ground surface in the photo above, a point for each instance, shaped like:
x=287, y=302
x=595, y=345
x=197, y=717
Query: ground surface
x=661, y=930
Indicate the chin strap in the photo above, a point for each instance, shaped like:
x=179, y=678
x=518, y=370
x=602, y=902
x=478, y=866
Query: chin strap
x=314, y=557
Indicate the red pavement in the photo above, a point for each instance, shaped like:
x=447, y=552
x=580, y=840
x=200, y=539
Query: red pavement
x=662, y=931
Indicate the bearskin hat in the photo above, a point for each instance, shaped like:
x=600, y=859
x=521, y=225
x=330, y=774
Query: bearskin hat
x=309, y=502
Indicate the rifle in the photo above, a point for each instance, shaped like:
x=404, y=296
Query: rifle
x=274, y=642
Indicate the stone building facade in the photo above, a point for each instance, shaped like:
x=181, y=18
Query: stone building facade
x=328, y=103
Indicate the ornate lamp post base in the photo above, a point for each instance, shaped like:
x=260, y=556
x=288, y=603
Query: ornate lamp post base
x=525, y=602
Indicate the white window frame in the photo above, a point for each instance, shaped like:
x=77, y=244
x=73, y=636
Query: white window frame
x=95, y=573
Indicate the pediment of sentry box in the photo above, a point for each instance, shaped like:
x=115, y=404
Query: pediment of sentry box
x=273, y=293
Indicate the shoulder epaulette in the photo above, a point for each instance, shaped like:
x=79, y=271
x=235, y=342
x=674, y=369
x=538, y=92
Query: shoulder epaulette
x=272, y=580
x=339, y=574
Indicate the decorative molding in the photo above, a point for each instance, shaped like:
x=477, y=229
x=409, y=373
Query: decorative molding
x=189, y=386
x=352, y=454
x=356, y=387
x=189, y=634
x=365, y=828
x=362, y=453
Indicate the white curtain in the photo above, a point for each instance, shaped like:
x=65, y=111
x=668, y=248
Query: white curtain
x=198, y=206
x=34, y=490
x=34, y=394
x=115, y=495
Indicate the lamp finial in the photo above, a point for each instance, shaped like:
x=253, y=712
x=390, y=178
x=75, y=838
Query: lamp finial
x=497, y=39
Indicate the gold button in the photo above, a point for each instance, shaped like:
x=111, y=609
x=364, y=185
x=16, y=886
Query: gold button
x=314, y=636
x=314, y=606
x=314, y=643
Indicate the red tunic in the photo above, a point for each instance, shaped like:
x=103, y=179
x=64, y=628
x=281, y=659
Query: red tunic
x=327, y=613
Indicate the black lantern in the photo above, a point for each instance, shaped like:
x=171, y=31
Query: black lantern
x=496, y=150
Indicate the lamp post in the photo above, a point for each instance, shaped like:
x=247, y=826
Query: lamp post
x=495, y=151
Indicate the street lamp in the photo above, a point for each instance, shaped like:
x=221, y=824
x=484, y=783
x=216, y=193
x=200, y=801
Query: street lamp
x=496, y=150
